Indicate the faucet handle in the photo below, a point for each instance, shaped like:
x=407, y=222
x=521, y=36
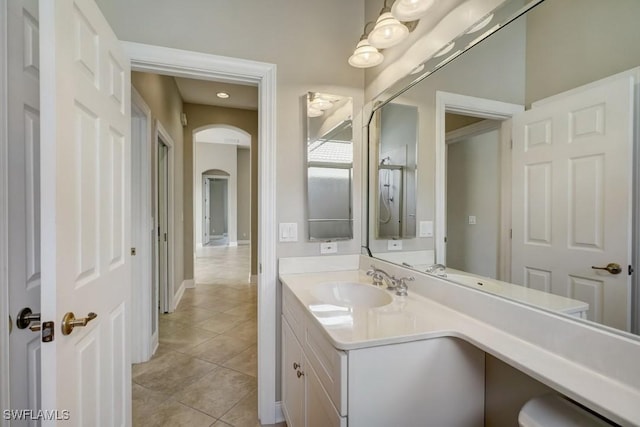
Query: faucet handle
x=401, y=285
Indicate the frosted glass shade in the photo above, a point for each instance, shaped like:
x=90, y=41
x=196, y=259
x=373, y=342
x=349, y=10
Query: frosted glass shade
x=365, y=56
x=410, y=10
x=388, y=32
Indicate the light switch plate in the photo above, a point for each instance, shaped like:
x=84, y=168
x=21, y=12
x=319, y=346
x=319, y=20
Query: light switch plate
x=394, y=245
x=328, y=248
x=426, y=228
x=472, y=219
x=288, y=232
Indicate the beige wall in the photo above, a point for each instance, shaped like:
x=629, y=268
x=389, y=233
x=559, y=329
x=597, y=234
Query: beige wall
x=309, y=41
x=162, y=96
x=199, y=116
x=591, y=39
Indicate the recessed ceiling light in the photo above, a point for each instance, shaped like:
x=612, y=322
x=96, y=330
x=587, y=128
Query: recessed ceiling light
x=223, y=95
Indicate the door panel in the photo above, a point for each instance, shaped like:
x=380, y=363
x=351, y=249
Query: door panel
x=24, y=198
x=86, y=194
x=572, y=196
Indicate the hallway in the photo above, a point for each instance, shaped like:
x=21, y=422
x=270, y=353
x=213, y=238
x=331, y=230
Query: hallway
x=204, y=371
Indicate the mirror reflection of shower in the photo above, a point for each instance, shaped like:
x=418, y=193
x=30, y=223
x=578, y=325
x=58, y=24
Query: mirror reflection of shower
x=397, y=173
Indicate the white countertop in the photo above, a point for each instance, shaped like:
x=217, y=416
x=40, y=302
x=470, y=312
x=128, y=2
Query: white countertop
x=417, y=317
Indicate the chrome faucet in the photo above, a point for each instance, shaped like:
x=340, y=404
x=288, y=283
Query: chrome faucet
x=437, y=269
x=380, y=277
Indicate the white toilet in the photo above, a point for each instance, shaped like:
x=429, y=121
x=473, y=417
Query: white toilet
x=554, y=411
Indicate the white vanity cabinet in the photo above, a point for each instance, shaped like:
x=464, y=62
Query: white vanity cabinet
x=314, y=377
x=436, y=381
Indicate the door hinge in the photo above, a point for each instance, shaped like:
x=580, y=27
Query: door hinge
x=165, y=237
x=511, y=233
x=630, y=270
x=48, y=331
x=445, y=240
x=260, y=268
x=133, y=251
x=511, y=144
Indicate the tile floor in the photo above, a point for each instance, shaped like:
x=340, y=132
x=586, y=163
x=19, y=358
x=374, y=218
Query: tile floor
x=204, y=371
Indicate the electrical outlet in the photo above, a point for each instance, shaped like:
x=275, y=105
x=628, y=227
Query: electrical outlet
x=328, y=248
x=394, y=245
x=472, y=219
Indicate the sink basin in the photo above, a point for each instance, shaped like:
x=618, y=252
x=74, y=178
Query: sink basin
x=351, y=294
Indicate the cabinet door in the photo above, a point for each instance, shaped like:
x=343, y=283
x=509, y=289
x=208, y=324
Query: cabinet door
x=320, y=410
x=293, y=398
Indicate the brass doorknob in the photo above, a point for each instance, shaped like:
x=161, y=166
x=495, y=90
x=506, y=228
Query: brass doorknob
x=612, y=268
x=69, y=322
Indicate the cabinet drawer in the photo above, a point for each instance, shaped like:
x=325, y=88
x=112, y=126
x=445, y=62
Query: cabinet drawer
x=329, y=364
x=294, y=313
x=320, y=410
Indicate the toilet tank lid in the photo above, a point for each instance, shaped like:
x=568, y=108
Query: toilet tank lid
x=555, y=411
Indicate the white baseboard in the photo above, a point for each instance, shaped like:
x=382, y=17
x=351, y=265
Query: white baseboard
x=253, y=278
x=233, y=244
x=189, y=283
x=180, y=292
x=244, y=242
x=279, y=413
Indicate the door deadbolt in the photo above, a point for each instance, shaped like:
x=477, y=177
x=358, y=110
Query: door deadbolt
x=69, y=322
x=25, y=317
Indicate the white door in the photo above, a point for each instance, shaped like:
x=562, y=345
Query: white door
x=24, y=200
x=572, y=197
x=85, y=167
x=162, y=213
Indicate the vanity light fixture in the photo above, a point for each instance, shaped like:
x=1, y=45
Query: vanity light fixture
x=222, y=95
x=388, y=31
x=314, y=112
x=365, y=55
x=410, y=10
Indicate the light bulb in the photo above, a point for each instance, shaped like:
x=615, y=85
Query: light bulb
x=410, y=10
x=388, y=32
x=365, y=55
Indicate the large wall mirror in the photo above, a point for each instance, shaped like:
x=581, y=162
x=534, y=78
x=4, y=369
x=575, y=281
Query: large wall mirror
x=526, y=163
x=329, y=158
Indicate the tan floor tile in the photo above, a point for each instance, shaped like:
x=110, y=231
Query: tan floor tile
x=186, y=362
x=182, y=338
x=246, y=330
x=174, y=414
x=145, y=401
x=245, y=413
x=171, y=372
x=220, y=349
x=217, y=392
x=245, y=362
x=220, y=322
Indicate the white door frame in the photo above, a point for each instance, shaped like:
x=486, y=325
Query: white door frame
x=161, y=136
x=195, y=65
x=470, y=106
x=4, y=214
x=211, y=178
x=142, y=231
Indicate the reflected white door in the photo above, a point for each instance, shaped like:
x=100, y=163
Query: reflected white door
x=85, y=166
x=24, y=199
x=572, y=172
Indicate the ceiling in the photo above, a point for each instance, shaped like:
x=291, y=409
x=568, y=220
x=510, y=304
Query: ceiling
x=204, y=92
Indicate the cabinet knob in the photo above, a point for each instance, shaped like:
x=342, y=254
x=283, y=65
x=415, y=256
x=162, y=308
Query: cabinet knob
x=300, y=373
x=296, y=365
